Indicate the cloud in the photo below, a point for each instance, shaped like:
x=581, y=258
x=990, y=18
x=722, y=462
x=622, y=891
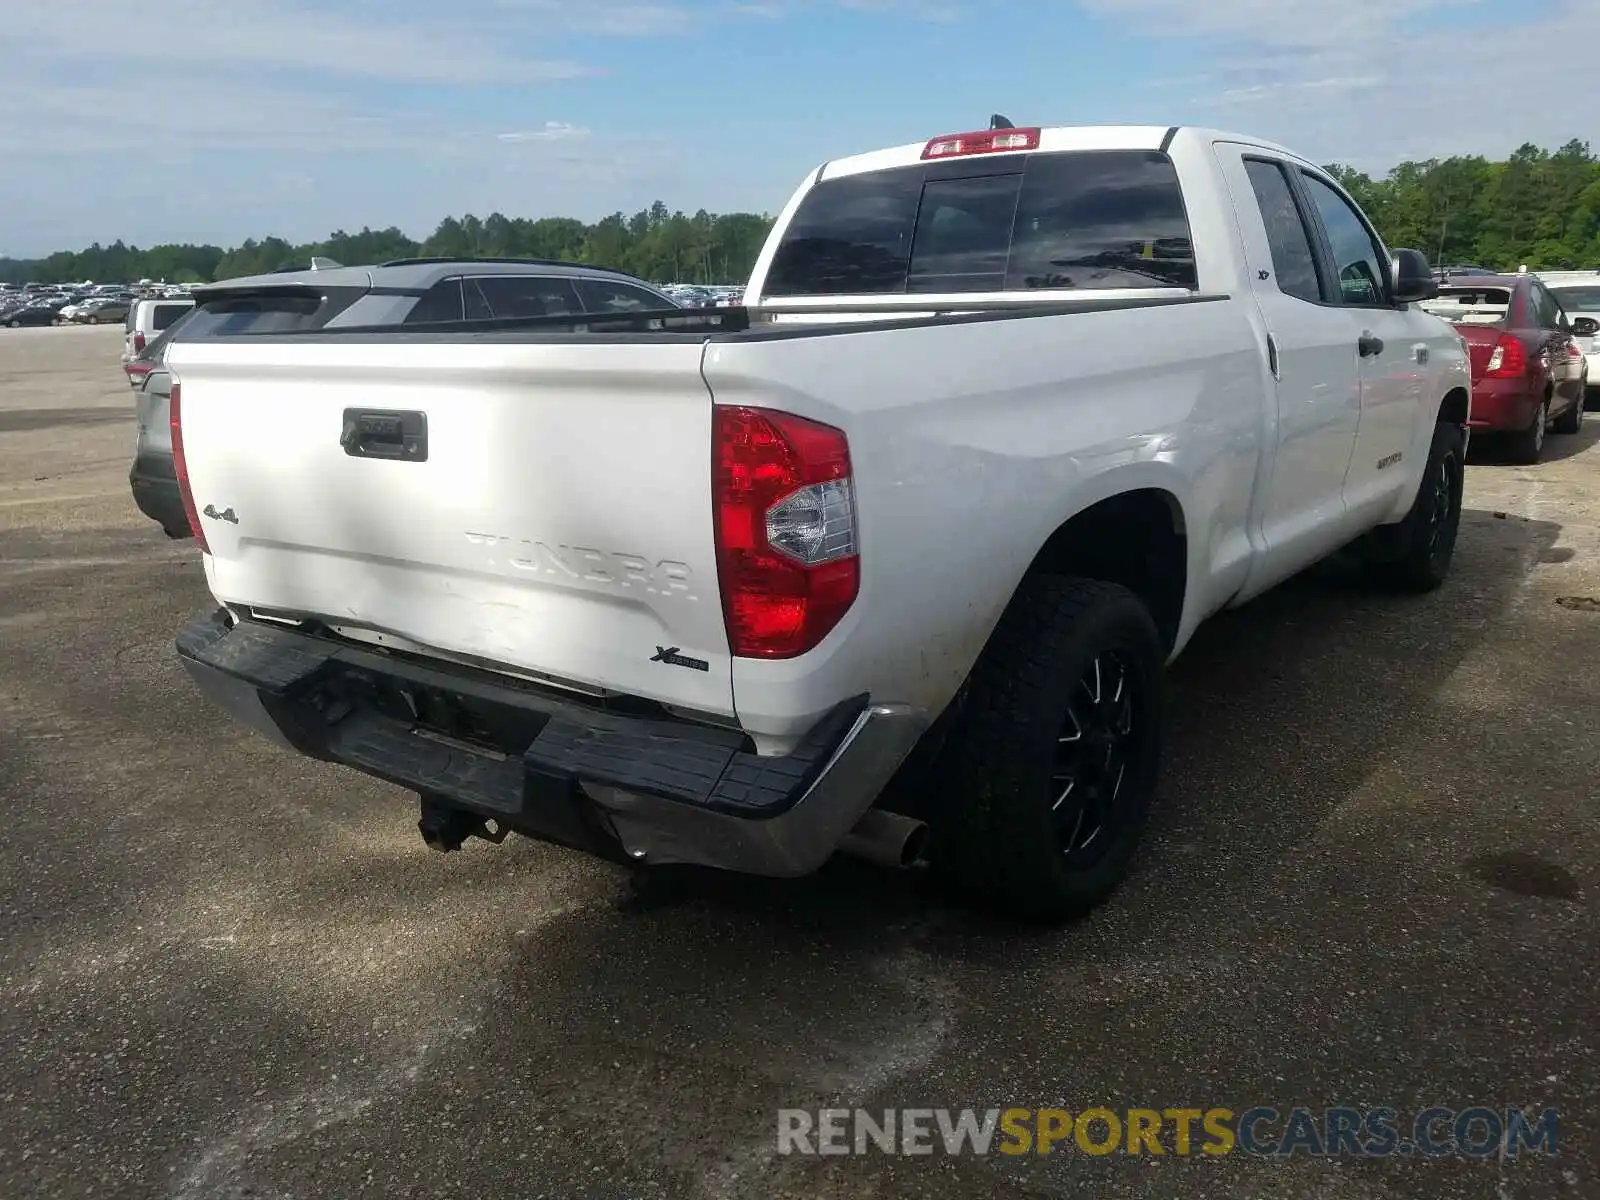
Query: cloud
x=189, y=37
x=551, y=131
x=606, y=19
x=1373, y=82
x=933, y=11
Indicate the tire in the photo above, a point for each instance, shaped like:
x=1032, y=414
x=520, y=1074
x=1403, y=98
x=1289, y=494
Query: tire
x=1571, y=421
x=1414, y=556
x=1527, y=445
x=16, y=324
x=1006, y=834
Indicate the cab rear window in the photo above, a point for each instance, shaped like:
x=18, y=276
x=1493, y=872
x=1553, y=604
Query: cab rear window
x=1083, y=219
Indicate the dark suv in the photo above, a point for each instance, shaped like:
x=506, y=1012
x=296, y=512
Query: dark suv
x=402, y=293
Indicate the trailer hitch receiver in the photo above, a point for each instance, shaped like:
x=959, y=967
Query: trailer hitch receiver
x=444, y=826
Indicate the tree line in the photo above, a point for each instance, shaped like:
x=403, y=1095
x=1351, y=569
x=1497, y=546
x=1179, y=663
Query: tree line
x=1538, y=207
x=654, y=244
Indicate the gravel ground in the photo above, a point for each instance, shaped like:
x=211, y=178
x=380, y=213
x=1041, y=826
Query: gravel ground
x=1372, y=881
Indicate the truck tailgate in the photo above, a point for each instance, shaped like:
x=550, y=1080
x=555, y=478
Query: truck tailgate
x=559, y=526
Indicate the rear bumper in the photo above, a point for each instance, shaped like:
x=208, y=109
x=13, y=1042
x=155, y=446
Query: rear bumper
x=155, y=491
x=1502, y=405
x=646, y=789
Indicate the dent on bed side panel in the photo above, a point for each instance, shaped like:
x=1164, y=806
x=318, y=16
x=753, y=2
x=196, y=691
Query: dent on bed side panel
x=970, y=444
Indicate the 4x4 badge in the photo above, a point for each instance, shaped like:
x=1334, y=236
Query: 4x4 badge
x=670, y=656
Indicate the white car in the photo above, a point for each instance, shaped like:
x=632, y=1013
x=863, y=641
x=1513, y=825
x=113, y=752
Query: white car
x=146, y=319
x=1578, y=293
x=1009, y=414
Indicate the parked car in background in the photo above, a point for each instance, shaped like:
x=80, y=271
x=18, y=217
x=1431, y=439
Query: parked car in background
x=1010, y=414
x=146, y=319
x=103, y=310
x=1527, y=377
x=1578, y=293
x=37, y=311
x=1453, y=269
x=152, y=478
x=411, y=292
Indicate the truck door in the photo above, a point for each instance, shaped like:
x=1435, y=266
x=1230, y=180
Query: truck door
x=1393, y=346
x=1315, y=365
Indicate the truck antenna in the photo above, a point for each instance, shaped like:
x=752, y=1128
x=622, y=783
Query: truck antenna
x=999, y=122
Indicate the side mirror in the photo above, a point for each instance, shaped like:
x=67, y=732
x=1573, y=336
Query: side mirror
x=1585, y=326
x=1413, y=277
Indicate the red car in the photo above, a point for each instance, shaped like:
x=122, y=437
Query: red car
x=1528, y=374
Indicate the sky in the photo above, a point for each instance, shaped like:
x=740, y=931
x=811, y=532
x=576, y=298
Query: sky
x=217, y=120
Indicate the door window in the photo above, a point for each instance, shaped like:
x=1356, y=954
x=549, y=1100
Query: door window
x=521, y=296
x=606, y=296
x=1357, y=257
x=1292, y=259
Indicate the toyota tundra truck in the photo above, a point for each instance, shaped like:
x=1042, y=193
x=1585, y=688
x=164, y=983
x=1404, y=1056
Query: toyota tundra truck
x=888, y=561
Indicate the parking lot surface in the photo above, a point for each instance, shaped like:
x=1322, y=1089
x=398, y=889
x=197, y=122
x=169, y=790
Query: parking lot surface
x=1372, y=881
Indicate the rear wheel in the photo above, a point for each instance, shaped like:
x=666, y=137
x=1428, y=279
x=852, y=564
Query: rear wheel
x=1571, y=421
x=1527, y=445
x=1044, y=783
x=1414, y=556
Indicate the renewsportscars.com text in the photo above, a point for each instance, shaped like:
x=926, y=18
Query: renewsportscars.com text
x=1474, y=1132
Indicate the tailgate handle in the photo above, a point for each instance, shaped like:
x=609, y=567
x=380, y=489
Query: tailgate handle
x=385, y=433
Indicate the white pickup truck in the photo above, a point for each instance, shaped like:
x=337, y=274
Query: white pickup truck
x=1006, y=416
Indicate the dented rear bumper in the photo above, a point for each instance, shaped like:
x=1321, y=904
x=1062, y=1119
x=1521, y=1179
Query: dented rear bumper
x=636, y=786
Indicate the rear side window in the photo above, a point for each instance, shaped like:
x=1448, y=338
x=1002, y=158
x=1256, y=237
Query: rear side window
x=1292, y=260
x=165, y=315
x=1542, y=307
x=1085, y=219
x=441, y=302
x=226, y=316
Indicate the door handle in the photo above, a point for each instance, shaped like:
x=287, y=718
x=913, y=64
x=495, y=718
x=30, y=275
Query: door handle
x=1420, y=352
x=1368, y=345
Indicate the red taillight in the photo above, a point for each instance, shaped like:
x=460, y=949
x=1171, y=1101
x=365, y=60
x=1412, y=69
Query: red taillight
x=136, y=369
x=787, y=547
x=988, y=141
x=1509, y=360
x=138, y=343
x=180, y=466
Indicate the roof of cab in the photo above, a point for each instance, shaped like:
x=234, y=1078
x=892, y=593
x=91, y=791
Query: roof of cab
x=1056, y=139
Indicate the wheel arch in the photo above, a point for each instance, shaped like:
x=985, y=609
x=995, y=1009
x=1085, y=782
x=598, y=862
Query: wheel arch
x=1136, y=535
